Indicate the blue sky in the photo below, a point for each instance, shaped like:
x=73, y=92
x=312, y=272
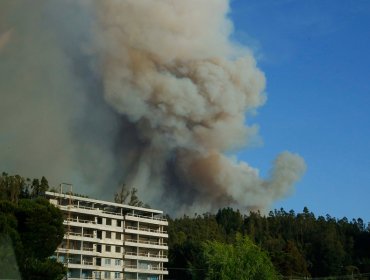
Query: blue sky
x=316, y=58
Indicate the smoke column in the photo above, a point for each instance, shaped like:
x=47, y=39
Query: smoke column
x=152, y=93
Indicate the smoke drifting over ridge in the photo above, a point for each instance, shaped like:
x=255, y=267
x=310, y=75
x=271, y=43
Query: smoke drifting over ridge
x=152, y=93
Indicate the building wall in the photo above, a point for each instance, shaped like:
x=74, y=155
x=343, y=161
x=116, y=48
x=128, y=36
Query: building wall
x=106, y=240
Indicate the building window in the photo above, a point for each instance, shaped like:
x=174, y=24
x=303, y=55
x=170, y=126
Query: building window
x=108, y=234
x=118, y=223
x=118, y=262
x=118, y=236
x=118, y=249
x=107, y=248
x=108, y=222
x=117, y=275
x=107, y=261
x=107, y=275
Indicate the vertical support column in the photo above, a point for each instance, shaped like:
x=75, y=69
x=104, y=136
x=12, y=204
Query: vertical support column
x=137, y=247
x=81, y=254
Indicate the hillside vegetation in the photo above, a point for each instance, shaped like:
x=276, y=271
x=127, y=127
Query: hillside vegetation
x=227, y=245
x=298, y=245
x=30, y=230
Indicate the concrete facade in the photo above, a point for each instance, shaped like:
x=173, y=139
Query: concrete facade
x=106, y=240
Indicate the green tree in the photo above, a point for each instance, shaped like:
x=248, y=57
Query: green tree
x=231, y=221
x=43, y=269
x=40, y=226
x=186, y=236
x=293, y=262
x=129, y=196
x=11, y=187
x=122, y=195
x=39, y=187
x=242, y=260
x=8, y=262
x=11, y=249
x=30, y=231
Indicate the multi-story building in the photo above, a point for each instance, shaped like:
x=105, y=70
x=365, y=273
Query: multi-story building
x=106, y=240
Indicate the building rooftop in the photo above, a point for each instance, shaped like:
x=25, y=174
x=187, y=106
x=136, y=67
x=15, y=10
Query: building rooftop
x=105, y=203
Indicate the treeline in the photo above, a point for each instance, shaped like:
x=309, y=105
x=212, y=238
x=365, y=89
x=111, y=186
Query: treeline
x=30, y=230
x=298, y=245
x=15, y=187
x=221, y=246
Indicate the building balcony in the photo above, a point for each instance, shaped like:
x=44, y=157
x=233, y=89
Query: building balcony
x=84, y=264
x=80, y=251
x=146, y=257
x=91, y=238
x=146, y=270
x=80, y=237
x=146, y=231
x=90, y=265
x=84, y=277
x=146, y=244
x=146, y=219
x=91, y=211
x=82, y=223
x=89, y=252
x=87, y=277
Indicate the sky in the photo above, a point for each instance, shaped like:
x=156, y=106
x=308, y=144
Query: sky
x=315, y=55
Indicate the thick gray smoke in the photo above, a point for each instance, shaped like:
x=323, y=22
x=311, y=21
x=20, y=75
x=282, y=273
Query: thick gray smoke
x=148, y=92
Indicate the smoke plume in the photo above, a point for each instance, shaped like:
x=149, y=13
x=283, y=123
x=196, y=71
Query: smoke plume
x=152, y=93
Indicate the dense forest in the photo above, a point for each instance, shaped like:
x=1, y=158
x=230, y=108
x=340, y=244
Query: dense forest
x=30, y=230
x=300, y=246
x=212, y=246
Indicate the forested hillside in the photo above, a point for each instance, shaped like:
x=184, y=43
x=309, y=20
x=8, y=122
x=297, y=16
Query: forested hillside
x=299, y=245
x=227, y=245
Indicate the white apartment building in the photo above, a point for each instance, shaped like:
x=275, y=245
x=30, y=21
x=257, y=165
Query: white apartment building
x=106, y=240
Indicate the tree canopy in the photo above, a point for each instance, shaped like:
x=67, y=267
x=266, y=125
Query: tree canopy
x=30, y=230
x=242, y=260
x=298, y=245
x=126, y=195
